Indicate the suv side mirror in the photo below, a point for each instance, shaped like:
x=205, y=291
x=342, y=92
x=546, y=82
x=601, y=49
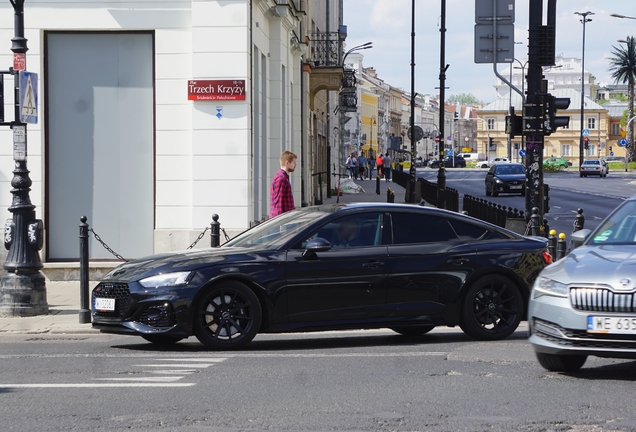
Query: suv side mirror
x=578, y=237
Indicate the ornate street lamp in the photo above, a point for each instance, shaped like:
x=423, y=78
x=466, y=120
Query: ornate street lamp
x=584, y=20
x=22, y=288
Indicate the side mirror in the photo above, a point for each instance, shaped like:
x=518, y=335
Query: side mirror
x=578, y=237
x=315, y=245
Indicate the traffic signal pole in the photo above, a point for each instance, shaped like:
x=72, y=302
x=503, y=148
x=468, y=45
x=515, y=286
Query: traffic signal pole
x=441, y=173
x=533, y=128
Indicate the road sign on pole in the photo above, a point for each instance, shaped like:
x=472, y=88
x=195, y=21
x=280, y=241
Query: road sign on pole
x=622, y=142
x=28, y=97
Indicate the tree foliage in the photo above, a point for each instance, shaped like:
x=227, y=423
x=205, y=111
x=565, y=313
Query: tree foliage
x=464, y=99
x=623, y=68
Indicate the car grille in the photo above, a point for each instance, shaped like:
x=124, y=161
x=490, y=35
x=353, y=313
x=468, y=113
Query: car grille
x=157, y=316
x=117, y=291
x=602, y=300
x=582, y=339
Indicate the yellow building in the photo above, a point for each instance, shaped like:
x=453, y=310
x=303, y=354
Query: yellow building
x=368, y=122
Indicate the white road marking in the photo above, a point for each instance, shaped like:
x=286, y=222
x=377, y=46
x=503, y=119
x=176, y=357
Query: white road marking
x=193, y=365
x=143, y=379
x=97, y=385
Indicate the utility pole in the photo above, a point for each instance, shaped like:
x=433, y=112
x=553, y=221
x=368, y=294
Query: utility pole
x=441, y=173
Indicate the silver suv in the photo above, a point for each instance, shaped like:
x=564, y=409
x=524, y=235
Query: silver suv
x=585, y=303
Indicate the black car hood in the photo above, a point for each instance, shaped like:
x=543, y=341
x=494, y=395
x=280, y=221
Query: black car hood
x=179, y=261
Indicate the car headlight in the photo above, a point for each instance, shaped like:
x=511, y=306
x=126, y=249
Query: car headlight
x=498, y=180
x=547, y=286
x=166, y=279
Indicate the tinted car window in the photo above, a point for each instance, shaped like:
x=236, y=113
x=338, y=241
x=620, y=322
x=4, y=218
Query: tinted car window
x=357, y=230
x=468, y=231
x=414, y=228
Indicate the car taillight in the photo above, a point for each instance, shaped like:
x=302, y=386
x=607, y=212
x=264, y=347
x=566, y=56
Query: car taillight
x=547, y=257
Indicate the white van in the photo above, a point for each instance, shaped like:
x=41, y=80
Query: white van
x=473, y=157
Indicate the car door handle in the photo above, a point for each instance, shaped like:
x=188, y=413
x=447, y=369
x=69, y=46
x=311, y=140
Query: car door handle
x=373, y=264
x=458, y=261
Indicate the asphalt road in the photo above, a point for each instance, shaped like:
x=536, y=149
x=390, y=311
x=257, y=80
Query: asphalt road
x=568, y=192
x=355, y=381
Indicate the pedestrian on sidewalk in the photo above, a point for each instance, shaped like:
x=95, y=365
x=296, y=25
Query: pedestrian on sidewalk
x=379, y=163
x=387, y=167
x=371, y=165
x=352, y=166
x=280, y=192
x=362, y=165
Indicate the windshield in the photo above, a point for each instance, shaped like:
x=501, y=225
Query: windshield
x=280, y=228
x=510, y=169
x=619, y=228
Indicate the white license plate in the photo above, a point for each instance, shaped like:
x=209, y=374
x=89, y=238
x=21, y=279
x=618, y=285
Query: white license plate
x=515, y=187
x=611, y=325
x=105, y=304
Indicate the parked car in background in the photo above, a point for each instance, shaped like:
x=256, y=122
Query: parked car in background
x=491, y=162
x=585, y=304
x=449, y=162
x=330, y=267
x=473, y=157
x=506, y=178
x=609, y=159
x=596, y=167
x=557, y=162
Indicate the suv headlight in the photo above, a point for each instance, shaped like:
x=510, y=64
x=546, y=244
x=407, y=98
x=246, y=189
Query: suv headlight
x=166, y=279
x=547, y=286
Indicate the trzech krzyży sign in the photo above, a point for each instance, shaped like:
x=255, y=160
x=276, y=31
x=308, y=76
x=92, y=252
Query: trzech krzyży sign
x=200, y=90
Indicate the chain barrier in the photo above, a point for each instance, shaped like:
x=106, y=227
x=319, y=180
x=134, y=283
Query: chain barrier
x=199, y=238
x=99, y=239
x=227, y=237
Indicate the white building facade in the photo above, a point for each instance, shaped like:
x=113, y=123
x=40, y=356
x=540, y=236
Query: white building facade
x=153, y=116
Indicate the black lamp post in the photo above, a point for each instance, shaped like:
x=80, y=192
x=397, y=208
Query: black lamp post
x=441, y=173
x=22, y=288
x=584, y=20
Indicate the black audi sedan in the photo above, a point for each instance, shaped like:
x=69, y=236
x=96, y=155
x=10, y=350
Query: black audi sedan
x=330, y=267
x=506, y=178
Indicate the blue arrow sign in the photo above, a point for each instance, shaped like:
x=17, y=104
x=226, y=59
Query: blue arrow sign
x=522, y=152
x=622, y=142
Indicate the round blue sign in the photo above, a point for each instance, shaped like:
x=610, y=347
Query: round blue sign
x=522, y=152
x=611, y=153
x=622, y=142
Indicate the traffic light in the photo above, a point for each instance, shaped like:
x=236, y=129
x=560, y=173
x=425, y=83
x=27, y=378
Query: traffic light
x=586, y=143
x=610, y=148
x=456, y=116
x=514, y=124
x=549, y=106
x=490, y=142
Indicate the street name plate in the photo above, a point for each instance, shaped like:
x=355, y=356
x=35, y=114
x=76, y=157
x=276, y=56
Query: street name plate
x=19, y=143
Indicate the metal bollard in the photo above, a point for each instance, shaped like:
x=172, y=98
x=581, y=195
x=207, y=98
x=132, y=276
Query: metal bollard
x=377, y=185
x=392, y=197
x=215, y=231
x=552, y=243
x=579, y=220
x=561, y=247
x=85, y=312
x=546, y=228
x=388, y=195
x=535, y=220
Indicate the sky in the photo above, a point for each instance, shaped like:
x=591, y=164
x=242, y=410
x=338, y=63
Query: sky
x=387, y=23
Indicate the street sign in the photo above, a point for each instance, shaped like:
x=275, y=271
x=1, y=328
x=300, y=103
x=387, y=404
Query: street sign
x=611, y=153
x=419, y=133
x=484, y=37
x=19, y=61
x=522, y=152
x=450, y=152
x=449, y=138
x=622, y=142
x=19, y=142
x=585, y=132
x=505, y=10
x=28, y=103
x=437, y=138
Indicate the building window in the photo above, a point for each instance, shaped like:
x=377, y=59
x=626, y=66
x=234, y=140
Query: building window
x=565, y=150
x=616, y=129
x=591, y=151
x=490, y=123
x=591, y=123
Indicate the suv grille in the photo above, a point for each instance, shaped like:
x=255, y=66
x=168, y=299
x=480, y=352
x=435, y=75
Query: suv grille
x=117, y=291
x=602, y=300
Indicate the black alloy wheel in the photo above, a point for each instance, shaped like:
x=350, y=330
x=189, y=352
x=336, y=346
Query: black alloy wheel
x=413, y=331
x=561, y=363
x=160, y=339
x=228, y=316
x=492, y=308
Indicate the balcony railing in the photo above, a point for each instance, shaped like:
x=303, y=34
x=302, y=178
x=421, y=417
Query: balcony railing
x=325, y=49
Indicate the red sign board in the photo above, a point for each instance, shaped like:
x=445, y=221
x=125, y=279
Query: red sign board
x=19, y=61
x=201, y=90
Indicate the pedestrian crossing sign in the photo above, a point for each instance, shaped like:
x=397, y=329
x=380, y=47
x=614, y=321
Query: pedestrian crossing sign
x=28, y=103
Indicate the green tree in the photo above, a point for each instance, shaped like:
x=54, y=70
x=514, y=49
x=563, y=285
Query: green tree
x=464, y=99
x=623, y=68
